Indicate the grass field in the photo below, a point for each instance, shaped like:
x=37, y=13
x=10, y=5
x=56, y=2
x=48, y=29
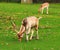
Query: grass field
x=49, y=27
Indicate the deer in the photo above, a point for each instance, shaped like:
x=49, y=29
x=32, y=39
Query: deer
x=43, y=6
x=27, y=26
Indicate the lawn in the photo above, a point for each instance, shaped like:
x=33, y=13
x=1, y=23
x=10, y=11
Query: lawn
x=49, y=27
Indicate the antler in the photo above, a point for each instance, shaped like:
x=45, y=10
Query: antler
x=14, y=26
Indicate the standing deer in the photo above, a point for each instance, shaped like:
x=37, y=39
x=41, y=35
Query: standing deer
x=43, y=6
x=27, y=25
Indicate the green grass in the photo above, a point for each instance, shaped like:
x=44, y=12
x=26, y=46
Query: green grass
x=49, y=27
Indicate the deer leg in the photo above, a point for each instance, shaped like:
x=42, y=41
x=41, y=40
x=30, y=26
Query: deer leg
x=31, y=34
x=37, y=36
x=47, y=10
x=27, y=33
x=42, y=11
x=27, y=37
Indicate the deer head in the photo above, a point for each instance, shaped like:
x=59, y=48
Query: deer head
x=20, y=32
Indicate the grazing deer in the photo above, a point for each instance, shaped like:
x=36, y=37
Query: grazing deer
x=27, y=25
x=43, y=6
